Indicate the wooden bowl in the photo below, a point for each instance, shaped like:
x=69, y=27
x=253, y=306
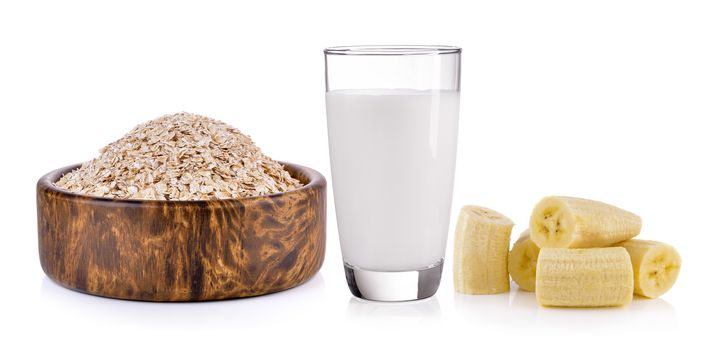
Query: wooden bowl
x=182, y=250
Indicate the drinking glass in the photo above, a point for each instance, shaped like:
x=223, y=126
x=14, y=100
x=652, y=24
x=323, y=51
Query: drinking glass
x=392, y=117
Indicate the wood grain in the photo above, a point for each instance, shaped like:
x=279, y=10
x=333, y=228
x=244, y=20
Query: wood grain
x=182, y=250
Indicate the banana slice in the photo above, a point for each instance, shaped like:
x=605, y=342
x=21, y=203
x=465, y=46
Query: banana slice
x=482, y=241
x=656, y=266
x=522, y=262
x=593, y=277
x=567, y=222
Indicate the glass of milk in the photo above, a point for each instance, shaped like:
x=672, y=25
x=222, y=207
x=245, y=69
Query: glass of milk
x=392, y=117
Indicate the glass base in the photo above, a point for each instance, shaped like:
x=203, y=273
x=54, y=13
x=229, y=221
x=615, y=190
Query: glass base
x=394, y=285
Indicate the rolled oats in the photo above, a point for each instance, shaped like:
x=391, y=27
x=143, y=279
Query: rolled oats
x=180, y=157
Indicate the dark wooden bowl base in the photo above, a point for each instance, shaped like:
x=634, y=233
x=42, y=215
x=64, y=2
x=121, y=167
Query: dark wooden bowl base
x=182, y=250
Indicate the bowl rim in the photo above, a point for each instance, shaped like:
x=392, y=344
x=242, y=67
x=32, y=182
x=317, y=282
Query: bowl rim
x=46, y=182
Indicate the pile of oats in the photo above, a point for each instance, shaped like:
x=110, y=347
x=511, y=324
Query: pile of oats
x=180, y=157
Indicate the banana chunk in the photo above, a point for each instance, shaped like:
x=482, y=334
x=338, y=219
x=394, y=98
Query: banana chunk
x=522, y=262
x=567, y=222
x=593, y=277
x=482, y=241
x=656, y=266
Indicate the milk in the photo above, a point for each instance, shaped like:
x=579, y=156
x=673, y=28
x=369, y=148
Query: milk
x=392, y=155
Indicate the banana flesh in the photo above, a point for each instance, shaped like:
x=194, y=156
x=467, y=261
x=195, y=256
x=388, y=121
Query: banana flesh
x=568, y=222
x=656, y=266
x=522, y=262
x=482, y=241
x=593, y=277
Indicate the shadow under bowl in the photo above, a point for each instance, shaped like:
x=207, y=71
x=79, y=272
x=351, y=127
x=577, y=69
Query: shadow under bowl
x=156, y=250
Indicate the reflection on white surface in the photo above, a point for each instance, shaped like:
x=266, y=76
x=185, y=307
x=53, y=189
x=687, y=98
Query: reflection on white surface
x=399, y=312
x=523, y=308
x=491, y=309
x=247, y=312
x=520, y=309
x=640, y=314
x=308, y=303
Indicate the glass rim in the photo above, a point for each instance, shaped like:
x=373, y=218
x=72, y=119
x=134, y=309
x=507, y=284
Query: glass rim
x=392, y=50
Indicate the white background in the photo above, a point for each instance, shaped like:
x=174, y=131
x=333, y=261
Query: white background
x=599, y=99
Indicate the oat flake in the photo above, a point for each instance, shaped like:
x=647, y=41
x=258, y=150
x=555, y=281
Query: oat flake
x=180, y=157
